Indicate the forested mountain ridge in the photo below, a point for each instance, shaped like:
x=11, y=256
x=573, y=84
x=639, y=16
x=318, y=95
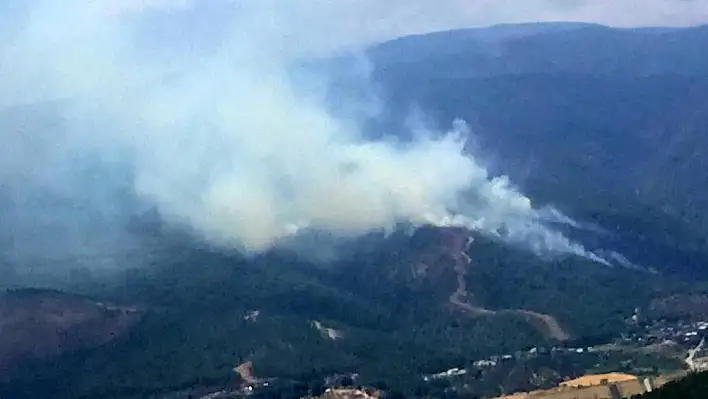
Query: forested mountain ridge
x=382, y=305
x=607, y=124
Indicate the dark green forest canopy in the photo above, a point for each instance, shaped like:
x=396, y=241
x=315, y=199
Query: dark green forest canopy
x=695, y=386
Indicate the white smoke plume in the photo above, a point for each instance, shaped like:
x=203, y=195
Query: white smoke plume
x=220, y=141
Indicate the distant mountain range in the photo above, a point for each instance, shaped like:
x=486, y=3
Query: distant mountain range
x=608, y=124
x=581, y=49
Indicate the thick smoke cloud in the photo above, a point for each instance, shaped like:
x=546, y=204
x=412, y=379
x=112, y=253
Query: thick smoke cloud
x=210, y=130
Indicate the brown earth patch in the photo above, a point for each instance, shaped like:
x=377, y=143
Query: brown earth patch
x=42, y=324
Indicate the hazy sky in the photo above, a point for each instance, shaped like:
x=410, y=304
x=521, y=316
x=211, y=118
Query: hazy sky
x=333, y=24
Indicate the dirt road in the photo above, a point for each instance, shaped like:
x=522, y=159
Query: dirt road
x=692, y=354
x=547, y=324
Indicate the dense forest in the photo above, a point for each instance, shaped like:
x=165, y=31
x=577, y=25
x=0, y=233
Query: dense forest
x=395, y=328
x=695, y=386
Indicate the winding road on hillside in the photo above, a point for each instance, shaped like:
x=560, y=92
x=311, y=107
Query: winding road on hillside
x=690, y=362
x=548, y=325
